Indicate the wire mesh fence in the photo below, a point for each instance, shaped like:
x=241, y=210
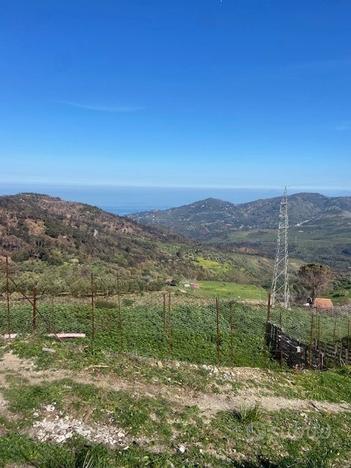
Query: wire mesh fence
x=216, y=331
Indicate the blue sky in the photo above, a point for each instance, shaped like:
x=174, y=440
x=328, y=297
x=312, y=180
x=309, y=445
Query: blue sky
x=232, y=93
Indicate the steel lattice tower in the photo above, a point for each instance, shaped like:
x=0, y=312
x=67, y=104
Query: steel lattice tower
x=280, y=284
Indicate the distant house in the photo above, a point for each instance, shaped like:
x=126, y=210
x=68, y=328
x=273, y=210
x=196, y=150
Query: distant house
x=321, y=303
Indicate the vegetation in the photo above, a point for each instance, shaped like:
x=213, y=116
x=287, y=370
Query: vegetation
x=188, y=331
x=315, y=278
x=190, y=335
x=146, y=386
x=319, y=226
x=227, y=290
x=55, y=245
x=161, y=413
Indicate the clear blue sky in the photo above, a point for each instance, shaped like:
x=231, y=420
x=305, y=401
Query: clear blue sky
x=248, y=93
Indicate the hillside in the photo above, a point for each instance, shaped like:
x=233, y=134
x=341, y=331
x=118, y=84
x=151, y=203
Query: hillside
x=43, y=235
x=320, y=226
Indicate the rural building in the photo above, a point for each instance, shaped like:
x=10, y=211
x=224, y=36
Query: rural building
x=321, y=303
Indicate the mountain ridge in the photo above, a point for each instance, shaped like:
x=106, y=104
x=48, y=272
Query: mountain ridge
x=320, y=225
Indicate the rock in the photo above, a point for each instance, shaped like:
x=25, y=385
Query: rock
x=181, y=449
x=48, y=350
x=159, y=364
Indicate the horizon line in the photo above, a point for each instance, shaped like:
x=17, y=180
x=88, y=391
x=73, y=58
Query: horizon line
x=174, y=186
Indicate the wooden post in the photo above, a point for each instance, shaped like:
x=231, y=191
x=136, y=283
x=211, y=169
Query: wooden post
x=8, y=297
x=92, y=285
x=218, y=337
x=34, y=310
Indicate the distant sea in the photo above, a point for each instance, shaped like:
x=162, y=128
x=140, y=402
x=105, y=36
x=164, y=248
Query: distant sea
x=127, y=200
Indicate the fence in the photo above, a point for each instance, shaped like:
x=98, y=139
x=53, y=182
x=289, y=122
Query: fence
x=163, y=324
x=221, y=332
x=296, y=354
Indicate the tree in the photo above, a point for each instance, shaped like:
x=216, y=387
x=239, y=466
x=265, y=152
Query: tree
x=315, y=278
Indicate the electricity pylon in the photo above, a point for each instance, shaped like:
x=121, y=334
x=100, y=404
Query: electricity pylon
x=280, y=284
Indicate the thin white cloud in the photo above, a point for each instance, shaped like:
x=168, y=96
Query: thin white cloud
x=99, y=108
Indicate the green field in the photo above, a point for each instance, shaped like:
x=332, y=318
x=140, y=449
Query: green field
x=189, y=332
x=233, y=291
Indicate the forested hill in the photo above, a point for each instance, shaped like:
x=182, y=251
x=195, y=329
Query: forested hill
x=34, y=226
x=320, y=226
x=41, y=233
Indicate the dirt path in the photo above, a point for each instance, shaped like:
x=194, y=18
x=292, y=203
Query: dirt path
x=209, y=403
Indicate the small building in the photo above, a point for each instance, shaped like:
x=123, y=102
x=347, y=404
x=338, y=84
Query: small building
x=321, y=303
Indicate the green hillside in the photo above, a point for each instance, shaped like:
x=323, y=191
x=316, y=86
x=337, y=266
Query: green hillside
x=320, y=227
x=56, y=244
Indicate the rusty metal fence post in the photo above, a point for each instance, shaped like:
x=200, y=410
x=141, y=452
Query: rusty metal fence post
x=218, y=332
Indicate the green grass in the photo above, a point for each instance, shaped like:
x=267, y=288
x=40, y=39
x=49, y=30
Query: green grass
x=190, y=337
x=297, y=323
x=228, y=290
x=282, y=438
x=213, y=265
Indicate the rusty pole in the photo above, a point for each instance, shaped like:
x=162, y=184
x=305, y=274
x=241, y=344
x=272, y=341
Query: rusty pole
x=34, y=310
x=164, y=312
x=269, y=307
x=120, y=326
x=311, y=338
x=218, y=338
x=170, y=331
x=92, y=285
x=318, y=318
x=348, y=340
x=8, y=297
x=231, y=324
x=334, y=331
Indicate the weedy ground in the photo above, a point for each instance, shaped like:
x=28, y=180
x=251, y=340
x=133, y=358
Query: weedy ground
x=136, y=396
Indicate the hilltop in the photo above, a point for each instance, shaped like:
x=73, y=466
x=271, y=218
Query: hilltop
x=320, y=225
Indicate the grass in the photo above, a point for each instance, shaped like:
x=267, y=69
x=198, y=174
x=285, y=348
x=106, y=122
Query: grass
x=213, y=265
x=248, y=415
x=191, y=336
x=248, y=437
x=136, y=415
x=227, y=290
x=190, y=333
x=297, y=323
